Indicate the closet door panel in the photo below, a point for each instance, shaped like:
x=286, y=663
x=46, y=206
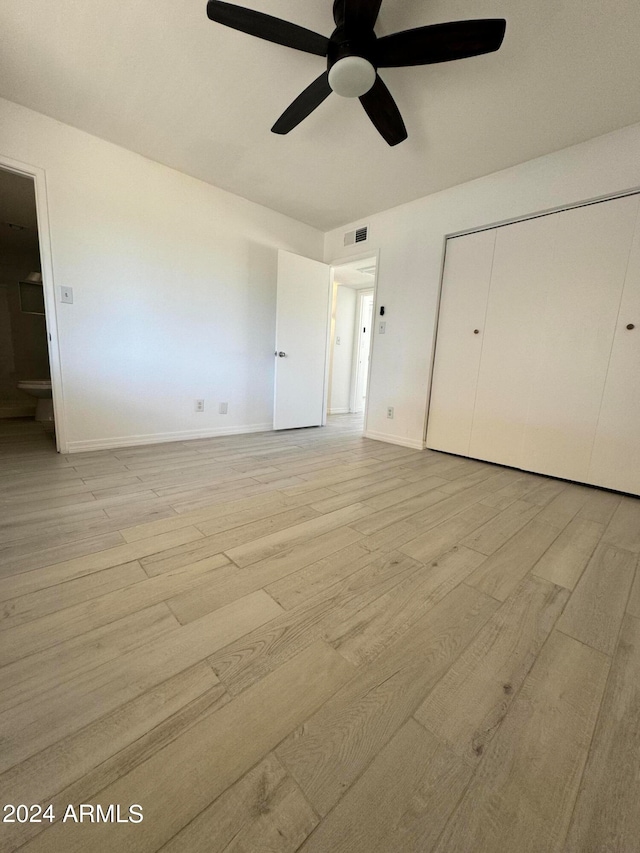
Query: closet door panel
x=463, y=304
x=521, y=269
x=616, y=450
x=590, y=252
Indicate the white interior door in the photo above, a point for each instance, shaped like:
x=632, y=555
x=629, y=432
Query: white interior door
x=302, y=327
x=465, y=291
x=615, y=450
x=558, y=366
x=511, y=340
x=589, y=253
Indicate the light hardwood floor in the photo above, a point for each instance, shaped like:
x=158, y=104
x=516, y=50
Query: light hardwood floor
x=312, y=641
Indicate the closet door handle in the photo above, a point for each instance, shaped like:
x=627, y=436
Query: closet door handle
x=476, y=331
x=630, y=326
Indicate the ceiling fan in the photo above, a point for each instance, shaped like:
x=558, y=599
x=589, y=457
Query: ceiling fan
x=354, y=54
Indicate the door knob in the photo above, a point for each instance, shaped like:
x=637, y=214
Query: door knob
x=476, y=331
x=630, y=326
x=281, y=354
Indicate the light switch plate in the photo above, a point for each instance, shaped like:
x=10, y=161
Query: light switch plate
x=66, y=295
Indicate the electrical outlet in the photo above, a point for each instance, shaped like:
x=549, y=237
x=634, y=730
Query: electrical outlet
x=382, y=328
x=223, y=408
x=199, y=405
x=66, y=295
x=390, y=411
x=338, y=341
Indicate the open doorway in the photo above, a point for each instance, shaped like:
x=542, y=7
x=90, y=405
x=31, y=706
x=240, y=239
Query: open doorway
x=26, y=396
x=350, y=339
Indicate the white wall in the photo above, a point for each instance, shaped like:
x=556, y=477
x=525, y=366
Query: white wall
x=174, y=289
x=411, y=242
x=342, y=353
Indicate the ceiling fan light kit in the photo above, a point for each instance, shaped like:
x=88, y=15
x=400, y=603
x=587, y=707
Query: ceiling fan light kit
x=354, y=54
x=352, y=76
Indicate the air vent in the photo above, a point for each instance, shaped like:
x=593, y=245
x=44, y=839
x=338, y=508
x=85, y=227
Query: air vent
x=360, y=235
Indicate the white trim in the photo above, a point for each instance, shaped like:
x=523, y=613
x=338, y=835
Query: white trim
x=549, y=211
x=343, y=410
x=44, y=237
x=432, y=354
x=413, y=443
x=162, y=438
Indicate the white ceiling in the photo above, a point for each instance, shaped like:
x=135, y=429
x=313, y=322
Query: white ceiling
x=159, y=78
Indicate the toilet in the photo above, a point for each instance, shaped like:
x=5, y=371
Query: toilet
x=42, y=390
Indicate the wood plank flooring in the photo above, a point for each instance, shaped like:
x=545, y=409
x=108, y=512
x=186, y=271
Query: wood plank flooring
x=310, y=641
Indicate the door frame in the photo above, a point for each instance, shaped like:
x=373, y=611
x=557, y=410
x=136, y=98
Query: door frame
x=339, y=262
x=38, y=176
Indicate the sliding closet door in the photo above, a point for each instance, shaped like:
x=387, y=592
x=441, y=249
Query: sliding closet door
x=463, y=305
x=584, y=267
x=511, y=339
x=614, y=461
x=557, y=356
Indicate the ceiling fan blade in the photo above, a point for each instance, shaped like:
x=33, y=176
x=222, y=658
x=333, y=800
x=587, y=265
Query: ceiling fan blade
x=440, y=43
x=356, y=15
x=303, y=105
x=267, y=27
x=383, y=112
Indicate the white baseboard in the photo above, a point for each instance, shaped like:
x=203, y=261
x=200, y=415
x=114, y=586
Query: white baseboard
x=414, y=444
x=342, y=411
x=161, y=438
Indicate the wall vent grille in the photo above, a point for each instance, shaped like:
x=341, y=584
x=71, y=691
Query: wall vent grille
x=360, y=235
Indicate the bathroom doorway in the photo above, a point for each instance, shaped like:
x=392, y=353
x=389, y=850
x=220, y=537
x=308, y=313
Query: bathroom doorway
x=350, y=338
x=26, y=396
